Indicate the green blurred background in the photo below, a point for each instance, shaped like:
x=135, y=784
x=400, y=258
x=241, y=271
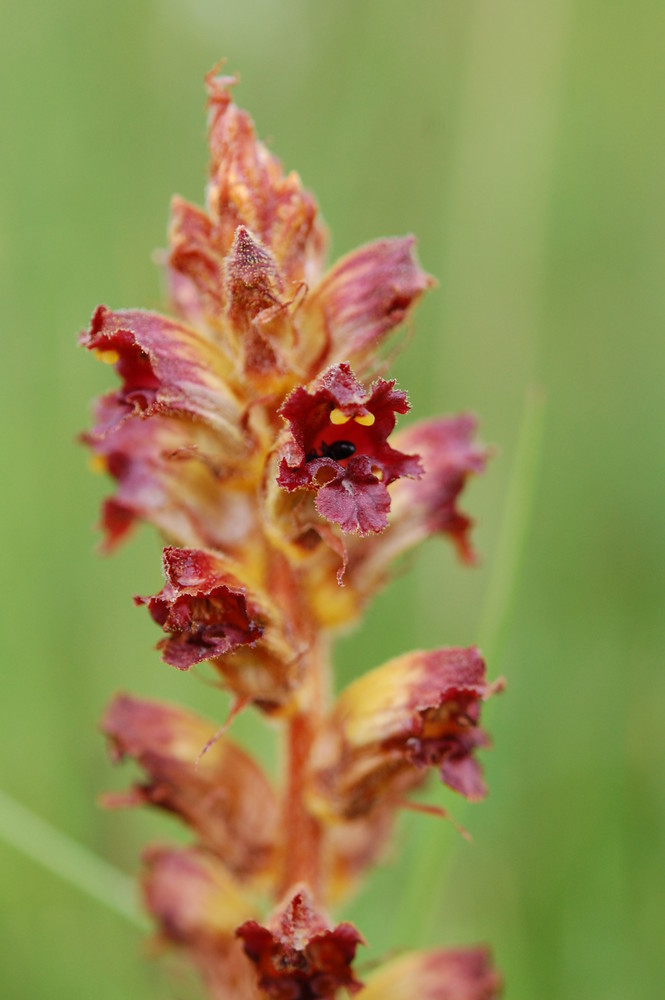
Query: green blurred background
x=524, y=143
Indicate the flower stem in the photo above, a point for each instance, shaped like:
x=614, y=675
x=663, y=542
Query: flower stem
x=303, y=832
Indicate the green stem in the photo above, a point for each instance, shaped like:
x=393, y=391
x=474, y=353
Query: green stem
x=68, y=860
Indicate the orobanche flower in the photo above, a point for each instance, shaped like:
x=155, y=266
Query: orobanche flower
x=256, y=430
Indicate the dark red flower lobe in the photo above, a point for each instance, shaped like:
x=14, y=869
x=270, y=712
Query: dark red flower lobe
x=205, y=610
x=339, y=448
x=299, y=957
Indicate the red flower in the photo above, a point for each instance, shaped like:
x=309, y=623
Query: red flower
x=417, y=711
x=166, y=367
x=299, y=957
x=205, y=609
x=339, y=448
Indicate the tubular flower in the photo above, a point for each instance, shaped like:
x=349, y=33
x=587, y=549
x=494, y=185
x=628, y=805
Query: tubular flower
x=254, y=430
x=420, y=710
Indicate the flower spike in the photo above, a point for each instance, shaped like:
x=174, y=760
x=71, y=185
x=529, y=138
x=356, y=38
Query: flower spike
x=256, y=431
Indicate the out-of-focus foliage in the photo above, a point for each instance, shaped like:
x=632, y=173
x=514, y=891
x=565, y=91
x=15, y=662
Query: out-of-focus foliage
x=524, y=144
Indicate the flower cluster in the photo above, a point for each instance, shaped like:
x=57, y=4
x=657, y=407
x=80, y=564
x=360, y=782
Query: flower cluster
x=255, y=430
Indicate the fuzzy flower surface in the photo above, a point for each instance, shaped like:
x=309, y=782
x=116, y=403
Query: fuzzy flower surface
x=255, y=428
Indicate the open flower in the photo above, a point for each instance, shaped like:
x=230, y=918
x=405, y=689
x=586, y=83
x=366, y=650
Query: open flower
x=418, y=711
x=298, y=956
x=209, y=614
x=205, y=610
x=338, y=447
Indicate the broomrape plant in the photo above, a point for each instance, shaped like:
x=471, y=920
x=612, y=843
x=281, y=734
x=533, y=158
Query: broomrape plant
x=253, y=428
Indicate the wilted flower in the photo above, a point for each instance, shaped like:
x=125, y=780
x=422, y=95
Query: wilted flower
x=256, y=431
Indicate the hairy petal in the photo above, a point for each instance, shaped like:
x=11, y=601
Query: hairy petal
x=166, y=367
x=356, y=499
x=170, y=472
x=449, y=456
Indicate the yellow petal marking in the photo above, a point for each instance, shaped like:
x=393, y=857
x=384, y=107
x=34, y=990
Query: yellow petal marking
x=337, y=417
x=97, y=463
x=366, y=420
x=108, y=357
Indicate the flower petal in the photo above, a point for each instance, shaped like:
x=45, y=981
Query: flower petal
x=166, y=367
x=195, y=258
x=449, y=456
x=210, y=614
x=356, y=499
x=171, y=473
x=364, y=296
x=338, y=447
x=298, y=956
x=204, y=609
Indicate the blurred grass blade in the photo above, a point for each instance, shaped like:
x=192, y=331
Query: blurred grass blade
x=516, y=519
x=68, y=860
x=419, y=911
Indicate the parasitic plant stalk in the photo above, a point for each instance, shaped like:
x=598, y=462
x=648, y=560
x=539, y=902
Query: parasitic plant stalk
x=254, y=428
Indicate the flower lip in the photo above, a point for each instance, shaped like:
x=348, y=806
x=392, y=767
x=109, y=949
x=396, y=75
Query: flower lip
x=343, y=429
